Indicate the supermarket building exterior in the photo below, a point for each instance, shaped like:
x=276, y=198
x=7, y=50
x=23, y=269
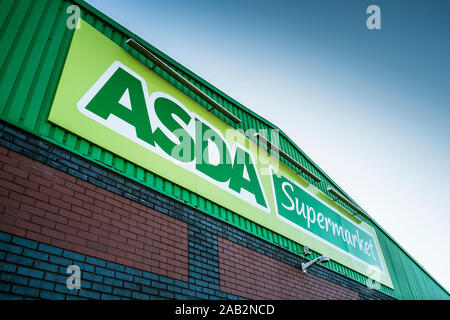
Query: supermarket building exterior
x=119, y=161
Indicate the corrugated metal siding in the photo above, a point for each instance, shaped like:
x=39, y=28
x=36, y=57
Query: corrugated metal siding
x=410, y=281
x=34, y=42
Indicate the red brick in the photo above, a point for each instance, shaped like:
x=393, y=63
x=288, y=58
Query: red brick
x=116, y=213
x=108, y=242
x=127, y=234
x=15, y=171
x=37, y=195
x=9, y=202
x=65, y=177
x=126, y=247
x=63, y=190
x=24, y=161
x=91, y=221
x=23, y=224
x=136, y=231
x=17, y=213
x=8, y=160
x=92, y=208
x=42, y=181
x=53, y=233
x=87, y=235
x=58, y=209
x=113, y=202
x=26, y=183
x=95, y=195
x=22, y=198
x=143, y=266
x=144, y=253
x=11, y=186
x=253, y=275
x=133, y=257
x=135, y=243
x=109, y=227
x=32, y=209
x=115, y=252
x=43, y=222
x=74, y=187
x=138, y=206
x=120, y=225
x=104, y=220
x=50, y=191
x=103, y=205
x=42, y=168
x=84, y=198
x=96, y=246
x=85, y=250
x=11, y=228
x=140, y=220
x=161, y=271
x=86, y=185
x=107, y=256
x=66, y=229
x=73, y=201
x=121, y=199
x=98, y=231
x=153, y=236
x=129, y=210
x=75, y=240
x=161, y=221
x=117, y=237
x=128, y=221
x=151, y=262
x=82, y=211
x=4, y=192
x=69, y=214
x=56, y=217
x=78, y=225
x=127, y=262
x=62, y=244
x=6, y=176
x=38, y=237
x=59, y=203
x=47, y=207
x=55, y=179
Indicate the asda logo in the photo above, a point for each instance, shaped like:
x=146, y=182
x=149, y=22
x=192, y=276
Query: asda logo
x=120, y=101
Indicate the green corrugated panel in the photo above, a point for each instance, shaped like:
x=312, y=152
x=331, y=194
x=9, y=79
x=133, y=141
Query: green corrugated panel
x=34, y=41
x=411, y=282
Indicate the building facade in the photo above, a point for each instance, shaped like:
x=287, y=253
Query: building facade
x=79, y=188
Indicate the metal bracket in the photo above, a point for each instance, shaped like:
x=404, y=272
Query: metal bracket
x=158, y=62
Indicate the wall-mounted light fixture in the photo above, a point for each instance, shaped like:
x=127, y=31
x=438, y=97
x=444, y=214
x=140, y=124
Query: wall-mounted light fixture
x=306, y=251
x=287, y=157
x=306, y=266
x=348, y=202
x=163, y=66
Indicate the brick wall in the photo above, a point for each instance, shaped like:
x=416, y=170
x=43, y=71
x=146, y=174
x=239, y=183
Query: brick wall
x=251, y=274
x=57, y=209
x=32, y=269
x=46, y=205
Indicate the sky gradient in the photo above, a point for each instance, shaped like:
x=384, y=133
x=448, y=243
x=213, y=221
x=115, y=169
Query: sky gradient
x=370, y=107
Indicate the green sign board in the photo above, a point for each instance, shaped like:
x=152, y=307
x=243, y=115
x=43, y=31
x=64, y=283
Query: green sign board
x=111, y=99
x=310, y=214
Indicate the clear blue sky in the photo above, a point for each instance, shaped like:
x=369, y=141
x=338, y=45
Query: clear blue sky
x=370, y=107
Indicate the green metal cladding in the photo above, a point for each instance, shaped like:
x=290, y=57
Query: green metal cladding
x=34, y=41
